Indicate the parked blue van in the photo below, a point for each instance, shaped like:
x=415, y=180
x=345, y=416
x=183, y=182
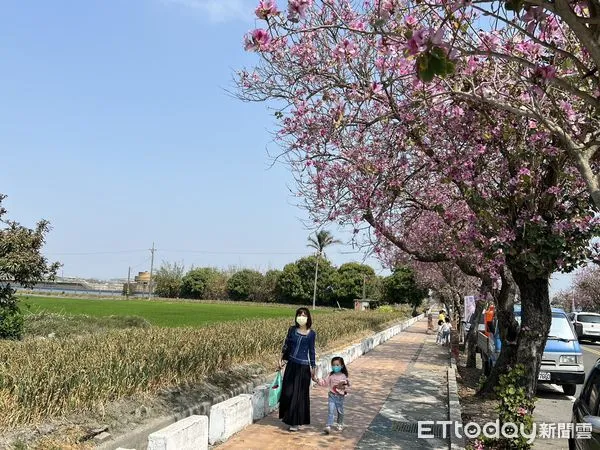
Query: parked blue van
x=562, y=361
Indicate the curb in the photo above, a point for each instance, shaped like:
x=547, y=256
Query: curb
x=138, y=438
x=454, y=414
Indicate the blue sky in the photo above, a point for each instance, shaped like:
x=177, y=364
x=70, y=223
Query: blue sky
x=116, y=127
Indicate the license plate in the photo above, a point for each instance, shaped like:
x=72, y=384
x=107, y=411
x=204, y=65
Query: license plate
x=544, y=376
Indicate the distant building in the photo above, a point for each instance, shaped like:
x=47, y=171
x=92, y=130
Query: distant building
x=362, y=304
x=140, y=283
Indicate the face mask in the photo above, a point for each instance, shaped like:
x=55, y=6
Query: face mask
x=337, y=369
x=301, y=320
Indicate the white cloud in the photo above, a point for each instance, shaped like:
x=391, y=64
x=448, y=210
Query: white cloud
x=217, y=10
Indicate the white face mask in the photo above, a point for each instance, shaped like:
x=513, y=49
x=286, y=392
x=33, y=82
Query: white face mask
x=301, y=320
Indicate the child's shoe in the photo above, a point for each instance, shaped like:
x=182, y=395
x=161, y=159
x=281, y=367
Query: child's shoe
x=340, y=426
x=327, y=429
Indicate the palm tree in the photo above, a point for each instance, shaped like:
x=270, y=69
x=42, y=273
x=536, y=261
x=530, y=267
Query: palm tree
x=319, y=241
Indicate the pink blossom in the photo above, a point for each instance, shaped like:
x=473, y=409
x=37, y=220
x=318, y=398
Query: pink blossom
x=345, y=48
x=256, y=40
x=420, y=36
x=438, y=37
x=472, y=65
x=554, y=190
x=416, y=43
x=533, y=17
x=411, y=20
x=377, y=88
x=266, y=8
x=386, y=9
x=489, y=42
x=524, y=172
x=297, y=9
x=568, y=110
x=546, y=72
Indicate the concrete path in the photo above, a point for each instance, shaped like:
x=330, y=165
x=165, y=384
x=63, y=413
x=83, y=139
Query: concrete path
x=395, y=385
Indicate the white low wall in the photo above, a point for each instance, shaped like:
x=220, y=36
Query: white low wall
x=190, y=433
x=230, y=416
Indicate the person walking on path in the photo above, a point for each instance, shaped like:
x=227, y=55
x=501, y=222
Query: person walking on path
x=298, y=357
x=338, y=384
x=429, y=322
x=446, y=329
x=442, y=315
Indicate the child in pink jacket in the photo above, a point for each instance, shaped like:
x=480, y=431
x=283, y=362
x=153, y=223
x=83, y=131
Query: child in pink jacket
x=338, y=384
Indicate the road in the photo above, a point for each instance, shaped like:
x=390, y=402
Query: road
x=554, y=406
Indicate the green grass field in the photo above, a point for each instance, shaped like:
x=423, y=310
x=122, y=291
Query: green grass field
x=158, y=313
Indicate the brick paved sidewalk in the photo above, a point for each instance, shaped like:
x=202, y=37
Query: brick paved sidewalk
x=402, y=380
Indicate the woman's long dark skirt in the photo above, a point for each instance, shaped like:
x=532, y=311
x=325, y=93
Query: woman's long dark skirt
x=294, y=403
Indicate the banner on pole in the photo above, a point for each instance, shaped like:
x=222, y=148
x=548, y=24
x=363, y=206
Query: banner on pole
x=469, y=307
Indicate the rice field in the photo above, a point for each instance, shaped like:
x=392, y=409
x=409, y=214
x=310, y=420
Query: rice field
x=161, y=313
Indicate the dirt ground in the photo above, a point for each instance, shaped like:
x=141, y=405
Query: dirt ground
x=474, y=408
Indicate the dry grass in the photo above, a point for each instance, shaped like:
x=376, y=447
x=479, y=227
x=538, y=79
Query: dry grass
x=45, y=324
x=41, y=379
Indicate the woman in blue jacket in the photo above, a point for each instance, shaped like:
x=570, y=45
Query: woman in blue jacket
x=298, y=356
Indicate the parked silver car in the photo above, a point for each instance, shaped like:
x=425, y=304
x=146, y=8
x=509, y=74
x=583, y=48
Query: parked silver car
x=587, y=325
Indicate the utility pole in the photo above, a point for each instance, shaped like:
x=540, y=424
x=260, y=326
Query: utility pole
x=152, y=250
x=128, y=282
x=364, y=287
x=316, y=275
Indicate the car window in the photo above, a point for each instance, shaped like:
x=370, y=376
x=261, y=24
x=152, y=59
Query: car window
x=588, y=318
x=560, y=327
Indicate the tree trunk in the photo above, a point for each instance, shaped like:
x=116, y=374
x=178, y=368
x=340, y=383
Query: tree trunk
x=509, y=332
x=472, y=334
x=536, y=317
x=484, y=290
x=316, y=277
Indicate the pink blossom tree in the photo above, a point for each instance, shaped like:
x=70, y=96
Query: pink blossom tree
x=586, y=289
x=537, y=59
x=441, y=177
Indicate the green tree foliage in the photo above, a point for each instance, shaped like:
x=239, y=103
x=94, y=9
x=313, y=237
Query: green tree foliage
x=245, y=285
x=204, y=283
x=21, y=263
x=401, y=287
x=348, y=283
x=296, y=283
x=268, y=288
x=168, y=280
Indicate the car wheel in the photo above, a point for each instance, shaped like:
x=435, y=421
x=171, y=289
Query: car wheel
x=569, y=389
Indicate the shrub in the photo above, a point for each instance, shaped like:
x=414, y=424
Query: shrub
x=515, y=408
x=245, y=285
x=348, y=283
x=167, y=280
x=204, y=283
x=401, y=287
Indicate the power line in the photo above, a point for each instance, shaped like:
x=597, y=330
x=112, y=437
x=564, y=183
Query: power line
x=97, y=253
x=208, y=252
x=214, y=252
